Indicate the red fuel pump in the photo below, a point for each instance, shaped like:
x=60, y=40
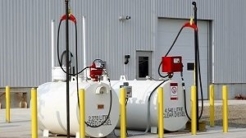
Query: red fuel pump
x=96, y=69
x=172, y=64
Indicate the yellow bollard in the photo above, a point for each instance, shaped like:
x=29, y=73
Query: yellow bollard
x=34, y=113
x=225, y=108
x=122, y=113
x=193, y=110
x=211, y=107
x=7, y=96
x=160, y=113
x=82, y=113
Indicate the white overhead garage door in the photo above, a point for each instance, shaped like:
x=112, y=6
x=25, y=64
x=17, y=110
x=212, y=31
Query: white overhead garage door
x=167, y=31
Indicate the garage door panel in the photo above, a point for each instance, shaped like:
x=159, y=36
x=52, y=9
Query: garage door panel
x=182, y=40
x=201, y=27
x=183, y=50
x=167, y=31
x=163, y=23
x=202, y=54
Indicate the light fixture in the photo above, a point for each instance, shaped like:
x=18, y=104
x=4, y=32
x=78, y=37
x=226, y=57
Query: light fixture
x=123, y=18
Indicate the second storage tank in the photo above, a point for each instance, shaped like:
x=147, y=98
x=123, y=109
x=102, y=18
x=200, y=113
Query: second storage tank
x=143, y=103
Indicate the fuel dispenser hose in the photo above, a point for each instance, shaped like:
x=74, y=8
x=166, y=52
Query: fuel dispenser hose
x=183, y=84
x=73, y=19
x=199, y=70
x=148, y=112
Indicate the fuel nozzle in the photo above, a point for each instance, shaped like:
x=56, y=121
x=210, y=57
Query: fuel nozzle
x=71, y=17
x=191, y=20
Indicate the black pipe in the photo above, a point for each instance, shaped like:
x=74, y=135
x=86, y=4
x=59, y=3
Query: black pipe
x=67, y=73
x=196, y=63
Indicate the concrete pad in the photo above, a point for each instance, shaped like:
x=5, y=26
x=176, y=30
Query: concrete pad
x=20, y=127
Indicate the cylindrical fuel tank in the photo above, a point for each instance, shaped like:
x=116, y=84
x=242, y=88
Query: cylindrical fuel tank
x=100, y=102
x=144, y=92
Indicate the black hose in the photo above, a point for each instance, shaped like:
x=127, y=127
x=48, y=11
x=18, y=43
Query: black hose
x=200, y=80
x=64, y=54
x=76, y=45
x=109, y=112
x=110, y=106
x=183, y=84
x=197, y=64
x=148, y=112
x=126, y=130
x=159, y=72
x=184, y=91
x=102, y=123
x=148, y=108
x=78, y=72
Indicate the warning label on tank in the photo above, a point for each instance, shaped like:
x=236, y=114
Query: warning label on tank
x=174, y=112
x=173, y=91
x=98, y=120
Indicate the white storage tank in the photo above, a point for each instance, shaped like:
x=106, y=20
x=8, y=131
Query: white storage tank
x=144, y=92
x=100, y=102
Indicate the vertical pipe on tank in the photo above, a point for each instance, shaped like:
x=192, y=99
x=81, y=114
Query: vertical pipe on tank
x=84, y=46
x=52, y=47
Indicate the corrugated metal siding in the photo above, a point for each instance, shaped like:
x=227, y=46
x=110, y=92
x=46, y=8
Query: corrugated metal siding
x=25, y=31
x=25, y=35
x=184, y=9
x=111, y=39
x=229, y=43
x=228, y=22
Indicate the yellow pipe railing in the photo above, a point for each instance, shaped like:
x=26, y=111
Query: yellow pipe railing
x=160, y=113
x=34, y=113
x=82, y=113
x=7, y=96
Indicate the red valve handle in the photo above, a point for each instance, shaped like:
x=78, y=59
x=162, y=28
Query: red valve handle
x=71, y=17
x=191, y=25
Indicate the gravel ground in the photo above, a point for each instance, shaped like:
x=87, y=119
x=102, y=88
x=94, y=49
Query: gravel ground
x=236, y=115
